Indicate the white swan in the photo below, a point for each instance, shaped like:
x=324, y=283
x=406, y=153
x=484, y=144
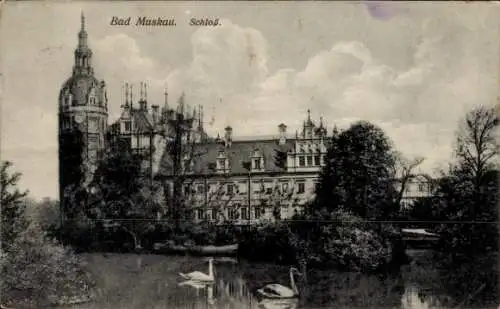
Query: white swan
x=199, y=276
x=278, y=291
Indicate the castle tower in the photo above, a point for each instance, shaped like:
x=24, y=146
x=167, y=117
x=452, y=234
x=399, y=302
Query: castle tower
x=83, y=117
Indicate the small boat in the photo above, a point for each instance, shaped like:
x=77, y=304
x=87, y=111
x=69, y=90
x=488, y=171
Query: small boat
x=166, y=248
x=214, y=250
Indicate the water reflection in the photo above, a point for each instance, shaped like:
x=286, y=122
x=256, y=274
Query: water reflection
x=420, y=285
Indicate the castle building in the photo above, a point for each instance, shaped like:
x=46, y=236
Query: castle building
x=83, y=116
x=418, y=187
x=150, y=132
x=244, y=181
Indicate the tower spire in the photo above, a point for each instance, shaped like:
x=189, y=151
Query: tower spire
x=83, y=54
x=126, y=95
x=165, y=105
x=82, y=20
x=141, y=98
x=131, y=95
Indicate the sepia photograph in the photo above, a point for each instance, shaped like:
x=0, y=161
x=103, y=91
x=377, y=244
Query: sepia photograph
x=249, y=155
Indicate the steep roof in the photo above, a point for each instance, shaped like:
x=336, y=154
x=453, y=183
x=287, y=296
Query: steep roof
x=142, y=119
x=238, y=153
x=80, y=86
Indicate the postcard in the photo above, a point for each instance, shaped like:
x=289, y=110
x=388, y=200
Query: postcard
x=260, y=154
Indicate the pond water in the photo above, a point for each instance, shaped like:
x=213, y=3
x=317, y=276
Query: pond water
x=153, y=281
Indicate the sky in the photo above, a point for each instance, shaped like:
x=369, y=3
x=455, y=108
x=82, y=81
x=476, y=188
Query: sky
x=414, y=69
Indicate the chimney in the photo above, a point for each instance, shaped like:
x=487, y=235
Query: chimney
x=228, y=137
x=282, y=136
x=155, y=113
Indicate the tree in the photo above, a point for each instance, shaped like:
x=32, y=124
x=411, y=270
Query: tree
x=469, y=189
x=11, y=203
x=180, y=152
x=123, y=194
x=358, y=175
x=476, y=148
x=71, y=174
x=36, y=270
x=404, y=173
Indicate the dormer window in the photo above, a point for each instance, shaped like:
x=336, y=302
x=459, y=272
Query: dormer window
x=222, y=162
x=257, y=160
x=256, y=164
x=128, y=125
x=92, y=97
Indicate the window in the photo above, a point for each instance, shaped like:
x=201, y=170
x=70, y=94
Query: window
x=256, y=164
x=214, y=214
x=230, y=189
x=187, y=189
x=302, y=161
x=128, y=125
x=317, y=159
x=187, y=165
x=421, y=187
x=221, y=164
x=244, y=213
x=257, y=212
x=66, y=123
x=231, y=215
x=93, y=141
x=200, y=214
x=284, y=187
x=200, y=189
x=302, y=187
x=269, y=190
x=309, y=160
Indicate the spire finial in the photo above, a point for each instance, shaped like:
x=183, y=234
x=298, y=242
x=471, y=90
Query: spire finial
x=131, y=94
x=166, y=97
x=145, y=91
x=308, y=114
x=82, y=19
x=142, y=91
x=126, y=94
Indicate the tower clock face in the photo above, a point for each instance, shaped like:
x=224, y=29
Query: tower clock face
x=79, y=118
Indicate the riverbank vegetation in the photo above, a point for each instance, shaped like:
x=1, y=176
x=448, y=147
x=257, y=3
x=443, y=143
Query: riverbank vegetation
x=36, y=270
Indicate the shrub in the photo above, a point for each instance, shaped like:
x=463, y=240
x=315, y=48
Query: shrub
x=37, y=271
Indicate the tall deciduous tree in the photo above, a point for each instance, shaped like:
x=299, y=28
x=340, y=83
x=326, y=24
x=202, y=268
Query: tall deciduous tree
x=404, y=173
x=358, y=175
x=122, y=193
x=11, y=203
x=469, y=190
